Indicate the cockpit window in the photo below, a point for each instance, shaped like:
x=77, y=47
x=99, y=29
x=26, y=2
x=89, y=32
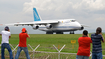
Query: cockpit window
x=73, y=20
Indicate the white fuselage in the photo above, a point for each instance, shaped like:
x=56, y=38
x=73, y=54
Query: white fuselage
x=63, y=26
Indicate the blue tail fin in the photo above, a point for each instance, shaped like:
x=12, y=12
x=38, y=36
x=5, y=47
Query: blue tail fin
x=36, y=16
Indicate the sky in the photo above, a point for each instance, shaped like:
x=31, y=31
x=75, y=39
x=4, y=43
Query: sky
x=87, y=12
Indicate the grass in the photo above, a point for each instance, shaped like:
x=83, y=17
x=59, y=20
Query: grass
x=47, y=41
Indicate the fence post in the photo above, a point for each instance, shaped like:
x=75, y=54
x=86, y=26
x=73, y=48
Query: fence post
x=47, y=57
x=90, y=53
x=33, y=49
x=66, y=57
x=14, y=49
x=58, y=50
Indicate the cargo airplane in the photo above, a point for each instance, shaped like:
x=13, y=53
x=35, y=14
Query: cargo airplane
x=53, y=26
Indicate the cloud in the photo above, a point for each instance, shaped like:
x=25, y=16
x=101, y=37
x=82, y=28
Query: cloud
x=62, y=5
x=54, y=5
x=84, y=11
x=65, y=8
x=90, y=5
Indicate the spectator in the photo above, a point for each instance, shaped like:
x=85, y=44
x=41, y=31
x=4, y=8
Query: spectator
x=96, y=42
x=84, y=46
x=5, y=42
x=22, y=43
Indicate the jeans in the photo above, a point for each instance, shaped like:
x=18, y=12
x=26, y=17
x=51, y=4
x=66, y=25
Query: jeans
x=97, y=55
x=82, y=57
x=3, y=46
x=19, y=50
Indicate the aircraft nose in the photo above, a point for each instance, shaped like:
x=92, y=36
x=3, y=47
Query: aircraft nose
x=79, y=25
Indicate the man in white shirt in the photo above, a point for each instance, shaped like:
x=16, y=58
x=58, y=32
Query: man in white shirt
x=5, y=42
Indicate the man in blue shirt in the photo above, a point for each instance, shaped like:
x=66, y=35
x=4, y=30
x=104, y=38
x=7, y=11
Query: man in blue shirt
x=96, y=42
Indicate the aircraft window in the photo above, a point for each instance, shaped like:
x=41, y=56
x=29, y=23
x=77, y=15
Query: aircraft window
x=73, y=20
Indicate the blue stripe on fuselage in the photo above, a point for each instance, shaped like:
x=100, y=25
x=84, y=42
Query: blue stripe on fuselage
x=63, y=27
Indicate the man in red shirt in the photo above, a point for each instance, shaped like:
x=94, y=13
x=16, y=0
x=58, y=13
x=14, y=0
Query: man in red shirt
x=84, y=46
x=22, y=44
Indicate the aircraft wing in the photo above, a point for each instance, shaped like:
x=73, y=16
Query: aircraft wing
x=34, y=23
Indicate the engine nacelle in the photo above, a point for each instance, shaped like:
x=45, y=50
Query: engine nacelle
x=48, y=26
x=35, y=27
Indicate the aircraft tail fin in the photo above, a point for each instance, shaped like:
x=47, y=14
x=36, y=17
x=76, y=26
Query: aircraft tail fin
x=36, y=16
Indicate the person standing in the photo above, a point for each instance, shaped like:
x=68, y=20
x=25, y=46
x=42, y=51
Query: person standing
x=84, y=46
x=5, y=42
x=22, y=44
x=96, y=42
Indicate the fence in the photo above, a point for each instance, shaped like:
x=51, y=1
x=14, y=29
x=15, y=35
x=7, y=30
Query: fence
x=43, y=55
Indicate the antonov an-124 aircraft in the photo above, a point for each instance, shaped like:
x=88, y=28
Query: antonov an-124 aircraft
x=51, y=26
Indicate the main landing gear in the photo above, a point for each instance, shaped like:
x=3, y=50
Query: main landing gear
x=52, y=32
x=71, y=32
x=49, y=32
x=59, y=32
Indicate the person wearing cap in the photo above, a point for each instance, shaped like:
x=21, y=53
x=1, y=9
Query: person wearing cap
x=96, y=43
x=22, y=44
x=5, y=42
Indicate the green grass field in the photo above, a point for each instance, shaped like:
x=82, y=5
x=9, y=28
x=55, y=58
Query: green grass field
x=47, y=41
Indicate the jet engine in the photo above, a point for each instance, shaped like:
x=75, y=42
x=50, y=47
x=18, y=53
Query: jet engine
x=48, y=26
x=35, y=27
